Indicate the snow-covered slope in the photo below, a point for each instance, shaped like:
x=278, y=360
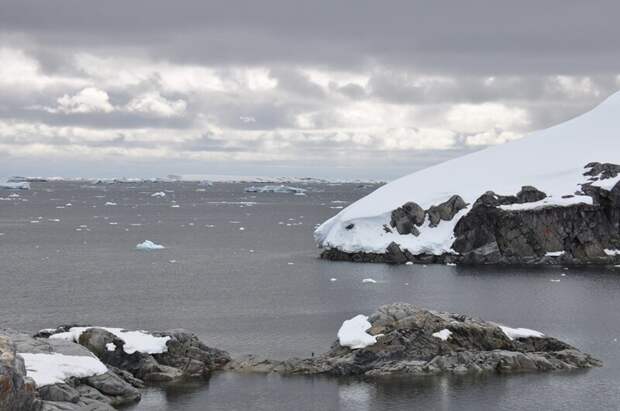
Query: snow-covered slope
x=552, y=160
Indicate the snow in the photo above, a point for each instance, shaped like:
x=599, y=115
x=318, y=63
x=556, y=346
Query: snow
x=552, y=160
x=149, y=245
x=513, y=333
x=608, y=183
x=139, y=341
x=275, y=189
x=353, y=334
x=158, y=194
x=46, y=369
x=443, y=334
x=555, y=253
x=612, y=253
x=548, y=202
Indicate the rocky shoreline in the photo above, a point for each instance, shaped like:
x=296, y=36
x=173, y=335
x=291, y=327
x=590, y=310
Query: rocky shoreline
x=525, y=228
x=99, y=371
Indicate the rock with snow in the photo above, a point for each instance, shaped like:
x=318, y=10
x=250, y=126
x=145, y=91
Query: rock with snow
x=401, y=339
x=148, y=245
x=149, y=356
x=556, y=189
x=66, y=376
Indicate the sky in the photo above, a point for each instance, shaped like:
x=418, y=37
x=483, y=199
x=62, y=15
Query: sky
x=332, y=89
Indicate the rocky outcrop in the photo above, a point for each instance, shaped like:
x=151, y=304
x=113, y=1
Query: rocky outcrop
x=503, y=229
x=17, y=391
x=186, y=357
x=414, y=341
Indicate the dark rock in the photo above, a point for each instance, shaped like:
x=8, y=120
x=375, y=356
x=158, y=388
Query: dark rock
x=602, y=171
x=529, y=194
x=59, y=392
x=115, y=388
x=446, y=210
x=407, y=217
x=406, y=345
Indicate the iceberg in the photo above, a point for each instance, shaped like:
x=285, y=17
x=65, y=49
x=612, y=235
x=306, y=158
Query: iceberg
x=148, y=245
x=276, y=189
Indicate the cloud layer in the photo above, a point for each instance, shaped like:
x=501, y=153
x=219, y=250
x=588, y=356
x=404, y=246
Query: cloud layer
x=380, y=88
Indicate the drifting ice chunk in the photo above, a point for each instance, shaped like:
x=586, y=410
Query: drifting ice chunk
x=158, y=194
x=46, y=369
x=369, y=280
x=22, y=185
x=149, y=245
x=275, y=189
x=353, y=334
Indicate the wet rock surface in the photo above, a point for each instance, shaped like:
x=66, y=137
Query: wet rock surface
x=406, y=345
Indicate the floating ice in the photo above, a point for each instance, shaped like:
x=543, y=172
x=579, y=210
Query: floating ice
x=149, y=245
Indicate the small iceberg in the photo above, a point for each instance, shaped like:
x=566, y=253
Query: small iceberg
x=281, y=189
x=17, y=185
x=158, y=194
x=149, y=245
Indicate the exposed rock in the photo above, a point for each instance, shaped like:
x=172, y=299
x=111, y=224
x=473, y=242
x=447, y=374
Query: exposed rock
x=406, y=218
x=17, y=391
x=529, y=194
x=488, y=234
x=446, y=210
x=185, y=356
x=406, y=345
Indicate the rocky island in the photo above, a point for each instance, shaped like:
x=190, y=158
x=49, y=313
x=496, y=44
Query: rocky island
x=549, y=198
x=97, y=369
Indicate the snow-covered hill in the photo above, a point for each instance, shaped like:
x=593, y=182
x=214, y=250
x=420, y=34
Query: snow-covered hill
x=552, y=160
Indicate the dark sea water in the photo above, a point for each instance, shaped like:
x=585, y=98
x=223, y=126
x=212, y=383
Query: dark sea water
x=262, y=290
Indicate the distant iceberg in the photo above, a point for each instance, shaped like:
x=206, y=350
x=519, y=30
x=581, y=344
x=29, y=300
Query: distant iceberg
x=276, y=189
x=149, y=245
x=14, y=185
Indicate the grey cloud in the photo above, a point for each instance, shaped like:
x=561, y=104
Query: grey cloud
x=478, y=36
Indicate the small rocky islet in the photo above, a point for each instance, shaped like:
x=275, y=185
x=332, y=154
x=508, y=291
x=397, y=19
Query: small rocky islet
x=397, y=339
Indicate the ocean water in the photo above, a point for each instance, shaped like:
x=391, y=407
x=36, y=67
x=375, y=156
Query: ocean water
x=241, y=270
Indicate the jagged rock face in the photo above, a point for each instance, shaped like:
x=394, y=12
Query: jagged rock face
x=17, y=392
x=488, y=234
x=407, y=346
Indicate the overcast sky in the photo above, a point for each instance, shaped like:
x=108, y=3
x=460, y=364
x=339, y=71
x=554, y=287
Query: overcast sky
x=338, y=88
